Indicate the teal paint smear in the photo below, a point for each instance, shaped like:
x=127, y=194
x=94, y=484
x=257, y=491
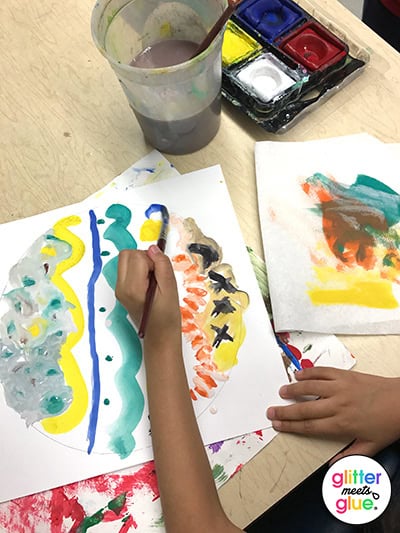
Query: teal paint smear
x=377, y=195
x=366, y=196
x=28, y=282
x=122, y=441
x=367, y=190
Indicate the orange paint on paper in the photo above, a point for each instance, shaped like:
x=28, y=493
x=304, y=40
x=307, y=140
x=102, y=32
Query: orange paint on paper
x=212, y=309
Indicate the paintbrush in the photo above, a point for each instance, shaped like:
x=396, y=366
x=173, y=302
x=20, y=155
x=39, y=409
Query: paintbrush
x=232, y=4
x=151, y=289
x=288, y=352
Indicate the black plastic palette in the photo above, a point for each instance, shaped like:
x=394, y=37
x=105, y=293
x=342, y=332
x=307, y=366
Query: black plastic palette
x=279, y=61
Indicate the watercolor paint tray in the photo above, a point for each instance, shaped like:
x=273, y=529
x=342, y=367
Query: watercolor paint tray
x=281, y=61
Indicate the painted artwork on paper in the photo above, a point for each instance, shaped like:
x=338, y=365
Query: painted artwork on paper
x=41, y=377
x=128, y=500
x=358, y=259
x=336, y=222
x=71, y=364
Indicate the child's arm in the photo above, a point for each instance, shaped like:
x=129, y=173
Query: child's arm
x=359, y=406
x=188, y=495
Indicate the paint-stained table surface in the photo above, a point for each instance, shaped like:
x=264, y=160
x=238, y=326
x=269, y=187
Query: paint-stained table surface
x=67, y=130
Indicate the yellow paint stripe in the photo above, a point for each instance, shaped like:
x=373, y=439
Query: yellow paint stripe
x=364, y=288
x=73, y=377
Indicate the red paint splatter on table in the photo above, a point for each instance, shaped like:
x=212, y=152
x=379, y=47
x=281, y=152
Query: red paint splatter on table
x=59, y=506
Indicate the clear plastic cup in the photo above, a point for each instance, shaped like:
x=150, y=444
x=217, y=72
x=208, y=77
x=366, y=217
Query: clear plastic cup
x=178, y=107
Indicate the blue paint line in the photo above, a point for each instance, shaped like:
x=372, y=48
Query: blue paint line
x=97, y=265
x=154, y=208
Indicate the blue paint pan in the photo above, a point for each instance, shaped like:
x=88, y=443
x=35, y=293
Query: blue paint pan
x=269, y=18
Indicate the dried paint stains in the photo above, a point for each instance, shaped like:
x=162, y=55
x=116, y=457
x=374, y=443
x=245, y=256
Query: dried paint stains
x=60, y=510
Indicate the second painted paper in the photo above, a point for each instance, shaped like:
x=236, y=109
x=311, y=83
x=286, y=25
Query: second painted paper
x=330, y=218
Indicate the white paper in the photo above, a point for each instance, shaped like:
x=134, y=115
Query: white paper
x=293, y=238
x=238, y=405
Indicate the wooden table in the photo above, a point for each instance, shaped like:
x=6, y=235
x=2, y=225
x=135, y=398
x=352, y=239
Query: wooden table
x=66, y=130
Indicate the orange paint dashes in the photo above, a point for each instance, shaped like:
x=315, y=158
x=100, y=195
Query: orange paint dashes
x=197, y=291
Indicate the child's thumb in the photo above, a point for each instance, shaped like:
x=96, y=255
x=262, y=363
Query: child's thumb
x=163, y=270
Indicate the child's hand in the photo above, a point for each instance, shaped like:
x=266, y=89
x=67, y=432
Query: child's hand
x=134, y=268
x=353, y=405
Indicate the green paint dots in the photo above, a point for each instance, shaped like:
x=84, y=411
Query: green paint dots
x=52, y=372
x=101, y=221
x=6, y=354
x=55, y=304
x=59, y=333
x=53, y=405
x=18, y=307
x=105, y=253
x=102, y=309
x=28, y=282
x=219, y=474
x=11, y=328
x=106, y=401
x=108, y=358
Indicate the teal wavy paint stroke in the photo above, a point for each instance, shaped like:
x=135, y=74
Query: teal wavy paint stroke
x=122, y=441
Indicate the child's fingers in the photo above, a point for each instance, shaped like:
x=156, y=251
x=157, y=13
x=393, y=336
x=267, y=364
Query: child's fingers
x=312, y=427
x=133, y=274
x=163, y=270
x=320, y=373
x=313, y=409
x=317, y=388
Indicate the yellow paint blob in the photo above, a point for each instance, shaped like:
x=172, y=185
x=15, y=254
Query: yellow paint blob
x=237, y=45
x=360, y=287
x=48, y=250
x=37, y=326
x=73, y=377
x=150, y=230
